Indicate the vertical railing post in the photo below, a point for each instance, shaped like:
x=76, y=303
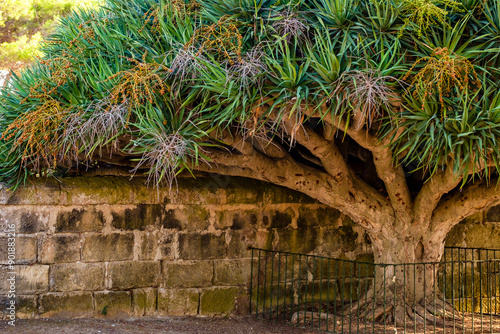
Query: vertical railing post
x=251, y=285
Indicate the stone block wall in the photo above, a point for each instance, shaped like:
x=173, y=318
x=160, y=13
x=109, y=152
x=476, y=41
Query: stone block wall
x=110, y=246
x=114, y=247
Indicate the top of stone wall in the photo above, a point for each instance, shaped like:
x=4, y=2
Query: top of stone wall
x=122, y=190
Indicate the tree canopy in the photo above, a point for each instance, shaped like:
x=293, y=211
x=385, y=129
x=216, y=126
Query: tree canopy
x=169, y=75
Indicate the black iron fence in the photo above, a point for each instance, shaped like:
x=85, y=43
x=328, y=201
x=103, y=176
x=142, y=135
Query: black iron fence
x=460, y=294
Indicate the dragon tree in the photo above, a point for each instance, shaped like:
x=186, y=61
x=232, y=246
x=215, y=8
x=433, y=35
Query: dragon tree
x=388, y=111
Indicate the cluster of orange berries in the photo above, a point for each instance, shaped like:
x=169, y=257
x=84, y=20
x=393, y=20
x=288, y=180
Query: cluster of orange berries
x=140, y=83
x=37, y=133
x=443, y=71
x=222, y=38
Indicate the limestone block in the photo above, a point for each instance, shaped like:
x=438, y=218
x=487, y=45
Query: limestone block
x=24, y=246
x=80, y=219
x=148, y=243
x=26, y=219
x=187, y=218
x=137, y=217
x=238, y=219
x=113, y=304
x=110, y=247
x=310, y=216
x=232, y=272
x=178, y=301
x=239, y=243
x=77, y=276
x=194, y=246
x=134, y=274
x=28, y=279
x=188, y=275
x=24, y=307
x=219, y=300
x=59, y=248
x=66, y=305
x=144, y=301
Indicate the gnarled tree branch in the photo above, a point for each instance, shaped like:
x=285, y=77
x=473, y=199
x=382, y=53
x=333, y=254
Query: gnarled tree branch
x=472, y=199
x=429, y=196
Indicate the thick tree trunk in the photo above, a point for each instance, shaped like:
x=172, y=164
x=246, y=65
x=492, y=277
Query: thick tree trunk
x=405, y=286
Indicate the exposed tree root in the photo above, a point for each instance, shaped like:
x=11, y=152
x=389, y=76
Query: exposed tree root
x=302, y=316
x=434, y=313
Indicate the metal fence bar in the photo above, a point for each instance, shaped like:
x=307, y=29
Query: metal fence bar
x=291, y=287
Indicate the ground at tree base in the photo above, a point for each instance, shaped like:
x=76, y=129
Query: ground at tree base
x=236, y=325
x=167, y=325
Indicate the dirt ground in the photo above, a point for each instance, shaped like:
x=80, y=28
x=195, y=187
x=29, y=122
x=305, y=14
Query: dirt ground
x=171, y=325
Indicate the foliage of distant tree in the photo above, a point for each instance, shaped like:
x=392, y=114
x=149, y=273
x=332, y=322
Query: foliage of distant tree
x=23, y=23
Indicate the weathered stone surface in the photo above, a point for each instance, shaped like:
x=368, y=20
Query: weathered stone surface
x=188, y=275
x=194, y=246
x=107, y=190
x=237, y=219
x=148, y=245
x=24, y=246
x=110, y=247
x=232, y=272
x=456, y=237
x=43, y=191
x=134, y=274
x=137, y=217
x=482, y=236
x=342, y=239
x=165, y=244
x=113, y=304
x=493, y=214
x=24, y=307
x=251, y=193
x=28, y=279
x=66, y=305
x=264, y=239
x=80, y=219
x=59, y=248
x=200, y=191
x=178, y=301
x=219, y=300
x=282, y=219
x=187, y=218
x=26, y=219
x=275, y=194
x=77, y=276
x=298, y=241
x=144, y=301
x=309, y=217
x=365, y=269
x=239, y=243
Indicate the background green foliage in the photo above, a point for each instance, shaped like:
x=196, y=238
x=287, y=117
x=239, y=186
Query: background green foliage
x=23, y=23
x=167, y=74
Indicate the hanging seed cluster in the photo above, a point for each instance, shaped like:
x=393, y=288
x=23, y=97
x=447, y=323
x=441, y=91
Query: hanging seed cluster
x=425, y=13
x=152, y=18
x=86, y=34
x=221, y=39
x=37, y=133
x=60, y=71
x=139, y=84
x=443, y=72
x=185, y=9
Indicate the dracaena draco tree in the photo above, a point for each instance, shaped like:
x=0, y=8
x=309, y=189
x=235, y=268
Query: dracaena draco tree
x=388, y=111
